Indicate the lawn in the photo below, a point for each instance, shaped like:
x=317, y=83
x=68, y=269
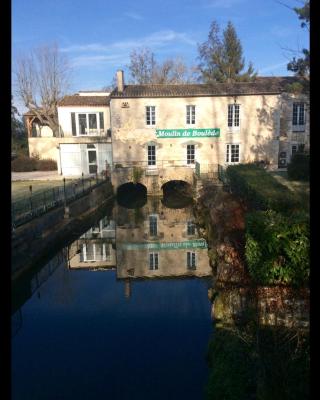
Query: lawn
x=20, y=189
x=300, y=188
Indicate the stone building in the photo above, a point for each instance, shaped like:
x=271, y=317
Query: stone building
x=223, y=123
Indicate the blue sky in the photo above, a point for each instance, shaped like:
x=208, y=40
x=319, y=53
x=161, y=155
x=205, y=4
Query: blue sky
x=98, y=35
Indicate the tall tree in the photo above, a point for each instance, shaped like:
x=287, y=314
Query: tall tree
x=42, y=79
x=221, y=58
x=301, y=65
x=145, y=69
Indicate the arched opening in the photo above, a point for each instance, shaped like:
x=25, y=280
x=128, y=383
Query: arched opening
x=177, y=194
x=132, y=195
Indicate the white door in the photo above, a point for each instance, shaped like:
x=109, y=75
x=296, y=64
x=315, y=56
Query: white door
x=70, y=157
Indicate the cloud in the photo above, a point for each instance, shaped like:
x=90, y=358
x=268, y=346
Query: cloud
x=133, y=15
x=118, y=52
x=223, y=3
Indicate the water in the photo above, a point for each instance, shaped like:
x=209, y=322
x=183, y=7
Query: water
x=128, y=325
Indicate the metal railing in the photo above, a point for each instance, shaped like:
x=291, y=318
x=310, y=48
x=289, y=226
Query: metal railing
x=36, y=204
x=144, y=164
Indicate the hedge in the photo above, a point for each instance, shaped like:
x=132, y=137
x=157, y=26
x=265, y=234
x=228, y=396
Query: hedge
x=260, y=189
x=299, y=167
x=277, y=248
x=26, y=164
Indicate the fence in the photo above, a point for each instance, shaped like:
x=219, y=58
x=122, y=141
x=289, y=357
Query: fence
x=222, y=174
x=36, y=204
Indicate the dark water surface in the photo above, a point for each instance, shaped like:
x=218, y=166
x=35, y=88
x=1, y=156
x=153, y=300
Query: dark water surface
x=93, y=331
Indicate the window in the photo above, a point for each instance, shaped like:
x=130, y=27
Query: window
x=298, y=114
x=191, y=228
x=191, y=260
x=92, y=158
x=153, y=261
x=294, y=149
x=82, y=124
x=153, y=225
x=151, y=155
x=233, y=153
x=233, y=115
x=101, y=120
x=191, y=115
x=88, y=123
x=73, y=124
x=190, y=154
x=151, y=115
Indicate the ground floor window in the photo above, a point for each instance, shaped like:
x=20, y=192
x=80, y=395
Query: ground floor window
x=153, y=261
x=152, y=155
x=233, y=153
x=190, y=154
x=191, y=260
x=92, y=159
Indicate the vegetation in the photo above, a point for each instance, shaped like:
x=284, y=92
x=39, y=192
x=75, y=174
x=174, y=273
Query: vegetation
x=299, y=167
x=301, y=66
x=258, y=362
x=137, y=174
x=144, y=69
x=221, y=59
x=277, y=248
x=19, y=140
x=258, y=188
x=42, y=79
x=26, y=164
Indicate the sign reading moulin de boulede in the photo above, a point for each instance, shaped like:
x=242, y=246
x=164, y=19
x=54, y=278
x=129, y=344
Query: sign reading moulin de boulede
x=188, y=244
x=187, y=133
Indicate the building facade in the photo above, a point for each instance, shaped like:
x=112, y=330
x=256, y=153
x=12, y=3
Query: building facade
x=155, y=127
x=209, y=124
x=84, y=141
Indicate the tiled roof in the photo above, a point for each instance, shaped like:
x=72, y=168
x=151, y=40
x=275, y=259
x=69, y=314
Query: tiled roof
x=76, y=100
x=262, y=85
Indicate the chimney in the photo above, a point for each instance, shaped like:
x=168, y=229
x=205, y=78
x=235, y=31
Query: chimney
x=120, y=81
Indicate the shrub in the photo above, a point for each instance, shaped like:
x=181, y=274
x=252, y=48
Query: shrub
x=23, y=164
x=299, y=167
x=47, y=165
x=137, y=174
x=260, y=189
x=277, y=248
x=26, y=164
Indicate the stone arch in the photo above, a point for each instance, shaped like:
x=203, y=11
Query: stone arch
x=131, y=195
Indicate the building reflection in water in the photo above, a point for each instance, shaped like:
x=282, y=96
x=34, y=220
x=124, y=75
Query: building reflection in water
x=149, y=242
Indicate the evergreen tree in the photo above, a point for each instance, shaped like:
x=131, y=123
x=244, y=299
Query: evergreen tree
x=221, y=59
x=301, y=66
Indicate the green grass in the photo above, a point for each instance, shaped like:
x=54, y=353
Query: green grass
x=20, y=189
x=300, y=189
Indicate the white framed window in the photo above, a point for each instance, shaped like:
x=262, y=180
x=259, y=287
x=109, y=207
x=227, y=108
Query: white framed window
x=152, y=155
x=190, y=115
x=191, y=260
x=191, y=228
x=150, y=115
x=294, y=149
x=234, y=116
x=87, y=124
x=153, y=225
x=298, y=115
x=232, y=153
x=153, y=261
x=191, y=154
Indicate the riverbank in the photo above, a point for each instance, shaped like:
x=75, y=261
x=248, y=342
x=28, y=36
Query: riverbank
x=31, y=241
x=256, y=326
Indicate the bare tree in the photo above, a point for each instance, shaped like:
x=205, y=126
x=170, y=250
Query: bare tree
x=145, y=69
x=42, y=79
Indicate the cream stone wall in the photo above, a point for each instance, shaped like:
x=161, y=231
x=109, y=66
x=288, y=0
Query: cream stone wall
x=64, y=115
x=259, y=128
x=171, y=227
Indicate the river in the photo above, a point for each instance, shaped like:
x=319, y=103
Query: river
x=120, y=313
